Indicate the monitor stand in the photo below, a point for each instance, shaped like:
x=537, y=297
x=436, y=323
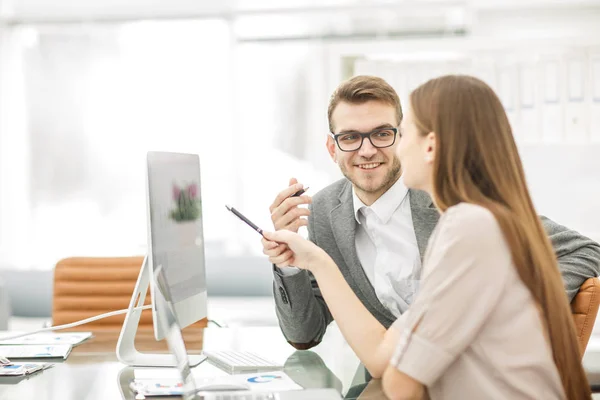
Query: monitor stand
x=126, y=351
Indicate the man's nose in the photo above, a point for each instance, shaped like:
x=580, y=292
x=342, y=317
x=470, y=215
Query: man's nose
x=367, y=150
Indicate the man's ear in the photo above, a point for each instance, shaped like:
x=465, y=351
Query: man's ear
x=331, y=148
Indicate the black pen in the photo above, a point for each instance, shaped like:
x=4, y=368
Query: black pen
x=246, y=220
x=300, y=192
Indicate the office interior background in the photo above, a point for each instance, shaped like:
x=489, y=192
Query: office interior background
x=88, y=87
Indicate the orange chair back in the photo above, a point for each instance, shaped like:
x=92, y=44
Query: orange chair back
x=585, y=308
x=88, y=286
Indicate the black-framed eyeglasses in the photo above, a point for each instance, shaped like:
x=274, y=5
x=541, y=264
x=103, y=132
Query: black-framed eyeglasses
x=352, y=141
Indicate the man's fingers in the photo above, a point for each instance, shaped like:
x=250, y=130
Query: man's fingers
x=291, y=216
x=287, y=205
x=296, y=224
x=293, y=181
x=300, y=222
x=288, y=202
x=284, y=194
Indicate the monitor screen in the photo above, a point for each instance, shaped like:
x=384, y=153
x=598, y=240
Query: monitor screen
x=176, y=241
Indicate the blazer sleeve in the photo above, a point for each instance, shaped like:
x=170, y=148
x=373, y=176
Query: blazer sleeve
x=301, y=310
x=578, y=256
x=467, y=271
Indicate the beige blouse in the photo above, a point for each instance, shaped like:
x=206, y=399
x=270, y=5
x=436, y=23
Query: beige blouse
x=474, y=331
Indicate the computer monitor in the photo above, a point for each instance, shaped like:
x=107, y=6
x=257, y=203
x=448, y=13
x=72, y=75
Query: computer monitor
x=175, y=239
x=176, y=245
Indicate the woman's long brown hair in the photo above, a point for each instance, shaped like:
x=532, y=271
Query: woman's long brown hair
x=477, y=162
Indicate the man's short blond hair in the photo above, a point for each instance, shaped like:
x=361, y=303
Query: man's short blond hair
x=363, y=88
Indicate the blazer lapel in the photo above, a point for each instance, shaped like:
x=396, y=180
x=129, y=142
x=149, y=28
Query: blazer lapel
x=425, y=217
x=343, y=225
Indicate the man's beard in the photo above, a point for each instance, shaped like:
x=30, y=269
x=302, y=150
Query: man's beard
x=390, y=177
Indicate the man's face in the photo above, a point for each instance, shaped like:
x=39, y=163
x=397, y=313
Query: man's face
x=371, y=170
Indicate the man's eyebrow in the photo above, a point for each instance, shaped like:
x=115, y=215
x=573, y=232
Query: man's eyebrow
x=374, y=129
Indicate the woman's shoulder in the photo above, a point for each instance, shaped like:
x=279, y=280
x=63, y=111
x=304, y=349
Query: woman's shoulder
x=470, y=221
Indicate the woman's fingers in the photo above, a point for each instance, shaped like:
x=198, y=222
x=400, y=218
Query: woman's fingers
x=277, y=251
x=283, y=260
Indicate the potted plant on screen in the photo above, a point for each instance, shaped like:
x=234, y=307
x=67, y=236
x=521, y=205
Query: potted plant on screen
x=186, y=211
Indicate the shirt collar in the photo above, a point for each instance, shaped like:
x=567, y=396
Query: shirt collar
x=384, y=206
x=357, y=203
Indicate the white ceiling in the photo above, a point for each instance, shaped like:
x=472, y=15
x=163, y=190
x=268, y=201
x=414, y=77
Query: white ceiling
x=99, y=9
x=69, y=10
x=258, y=20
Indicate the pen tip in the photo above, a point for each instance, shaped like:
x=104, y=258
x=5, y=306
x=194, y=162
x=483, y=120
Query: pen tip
x=228, y=207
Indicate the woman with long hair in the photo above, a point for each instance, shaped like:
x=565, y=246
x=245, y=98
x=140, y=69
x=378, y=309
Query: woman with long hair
x=491, y=318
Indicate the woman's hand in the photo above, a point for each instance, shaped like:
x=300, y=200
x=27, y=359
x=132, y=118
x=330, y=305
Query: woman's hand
x=286, y=248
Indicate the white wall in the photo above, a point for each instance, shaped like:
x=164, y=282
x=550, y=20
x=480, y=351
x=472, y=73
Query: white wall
x=505, y=38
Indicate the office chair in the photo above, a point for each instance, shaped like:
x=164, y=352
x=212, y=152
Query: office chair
x=89, y=286
x=585, y=308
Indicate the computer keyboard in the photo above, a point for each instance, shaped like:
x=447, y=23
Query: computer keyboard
x=235, y=362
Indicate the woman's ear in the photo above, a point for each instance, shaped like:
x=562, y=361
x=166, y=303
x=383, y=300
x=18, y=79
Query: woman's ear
x=430, y=147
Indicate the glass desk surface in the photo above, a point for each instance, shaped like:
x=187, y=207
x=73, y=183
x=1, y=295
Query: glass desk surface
x=92, y=371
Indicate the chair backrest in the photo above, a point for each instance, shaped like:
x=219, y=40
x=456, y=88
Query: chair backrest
x=88, y=286
x=585, y=308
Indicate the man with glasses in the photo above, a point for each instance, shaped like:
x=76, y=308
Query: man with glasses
x=372, y=226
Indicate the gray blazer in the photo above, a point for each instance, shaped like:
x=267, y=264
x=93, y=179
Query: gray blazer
x=302, y=312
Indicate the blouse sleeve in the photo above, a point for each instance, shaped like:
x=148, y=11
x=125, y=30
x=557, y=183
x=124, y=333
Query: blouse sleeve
x=400, y=322
x=465, y=274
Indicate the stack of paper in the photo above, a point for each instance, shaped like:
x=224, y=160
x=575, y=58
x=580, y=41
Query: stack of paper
x=18, y=369
x=27, y=351
x=275, y=381
x=69, y=338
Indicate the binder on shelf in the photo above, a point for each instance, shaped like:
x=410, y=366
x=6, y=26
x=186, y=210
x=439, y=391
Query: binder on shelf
x=552, y=112
x=594, y=108
x=576, y=113
x=528, y=111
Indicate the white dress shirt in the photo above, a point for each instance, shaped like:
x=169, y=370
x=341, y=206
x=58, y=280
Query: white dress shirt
x=387, y=247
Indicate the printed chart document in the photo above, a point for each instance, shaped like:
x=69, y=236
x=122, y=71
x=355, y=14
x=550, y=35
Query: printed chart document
x=18, y=369
x=147, y=384
x=35, y=351
x=71, y=338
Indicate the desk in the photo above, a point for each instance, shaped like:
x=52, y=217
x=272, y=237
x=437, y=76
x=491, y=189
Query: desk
x=92, y=371
x=591, y=363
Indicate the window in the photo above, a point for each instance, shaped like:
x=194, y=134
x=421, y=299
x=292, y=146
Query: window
x=93, y=100
x=83, y=104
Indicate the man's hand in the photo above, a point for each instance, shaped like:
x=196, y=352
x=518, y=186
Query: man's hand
x=285, y=211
